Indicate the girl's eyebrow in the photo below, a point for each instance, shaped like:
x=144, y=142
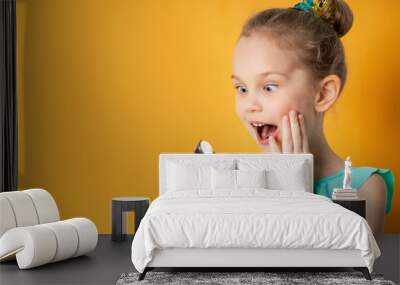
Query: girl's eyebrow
x=262, y=74
x=273, y=72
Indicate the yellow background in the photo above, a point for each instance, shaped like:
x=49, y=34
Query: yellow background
x=104, y=86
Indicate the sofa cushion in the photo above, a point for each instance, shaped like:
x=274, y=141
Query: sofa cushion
x=40, y=244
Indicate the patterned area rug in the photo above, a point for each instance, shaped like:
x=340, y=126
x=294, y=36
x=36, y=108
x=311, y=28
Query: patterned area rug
x=225, y=278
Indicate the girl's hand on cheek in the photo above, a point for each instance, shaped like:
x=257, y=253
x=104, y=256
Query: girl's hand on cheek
x=294, y=136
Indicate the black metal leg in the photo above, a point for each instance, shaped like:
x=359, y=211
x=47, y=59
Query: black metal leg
x=143, y=274
x=364, y=271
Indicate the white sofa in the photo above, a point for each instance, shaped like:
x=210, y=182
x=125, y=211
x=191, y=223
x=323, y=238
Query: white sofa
x=31, y=231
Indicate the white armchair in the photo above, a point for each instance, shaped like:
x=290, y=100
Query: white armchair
x=31, y=230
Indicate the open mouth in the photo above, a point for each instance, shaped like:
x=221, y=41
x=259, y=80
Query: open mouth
x=263, y=130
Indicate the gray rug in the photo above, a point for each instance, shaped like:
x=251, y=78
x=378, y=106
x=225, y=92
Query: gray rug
x=225, y=278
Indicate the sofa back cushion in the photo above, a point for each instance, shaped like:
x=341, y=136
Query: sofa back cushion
x=26, y=208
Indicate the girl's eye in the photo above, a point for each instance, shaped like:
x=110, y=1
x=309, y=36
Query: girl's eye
x=241, y=89
x=270, y=87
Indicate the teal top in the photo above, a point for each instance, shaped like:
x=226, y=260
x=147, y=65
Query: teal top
x=324, y=186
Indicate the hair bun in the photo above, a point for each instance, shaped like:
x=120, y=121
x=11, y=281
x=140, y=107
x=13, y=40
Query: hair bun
x=337, y=13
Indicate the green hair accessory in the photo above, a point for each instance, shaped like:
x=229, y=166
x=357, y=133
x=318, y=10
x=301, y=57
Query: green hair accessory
x=305, y=5
x=309, y=6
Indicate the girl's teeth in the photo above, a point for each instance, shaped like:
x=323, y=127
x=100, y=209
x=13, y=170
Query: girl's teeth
x=258, y=125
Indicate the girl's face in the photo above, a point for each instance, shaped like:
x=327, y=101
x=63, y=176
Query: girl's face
x=269, y=83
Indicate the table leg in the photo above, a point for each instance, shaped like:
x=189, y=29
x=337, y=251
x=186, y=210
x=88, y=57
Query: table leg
x=118, y=223
x=140, y=211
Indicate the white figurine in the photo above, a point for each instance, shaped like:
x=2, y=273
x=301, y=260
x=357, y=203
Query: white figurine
x=347, y=174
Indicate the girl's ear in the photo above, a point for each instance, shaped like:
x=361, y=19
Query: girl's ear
x=328, y=93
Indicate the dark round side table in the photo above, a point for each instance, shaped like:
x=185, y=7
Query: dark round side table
x=120, y=206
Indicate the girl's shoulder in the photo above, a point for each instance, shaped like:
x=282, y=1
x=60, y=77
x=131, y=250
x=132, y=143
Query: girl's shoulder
x=365, y=172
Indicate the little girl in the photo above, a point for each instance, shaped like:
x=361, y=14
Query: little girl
x=289, y=69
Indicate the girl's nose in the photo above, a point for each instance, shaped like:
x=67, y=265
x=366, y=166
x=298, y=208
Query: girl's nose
x=254, y=104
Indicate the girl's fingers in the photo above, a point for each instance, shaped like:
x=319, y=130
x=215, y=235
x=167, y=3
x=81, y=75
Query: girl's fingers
x=274, y=145
x=306, y=148
x=287, y=144
x=295, y=129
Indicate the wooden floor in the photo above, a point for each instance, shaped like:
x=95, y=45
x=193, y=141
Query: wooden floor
x=110, y=259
